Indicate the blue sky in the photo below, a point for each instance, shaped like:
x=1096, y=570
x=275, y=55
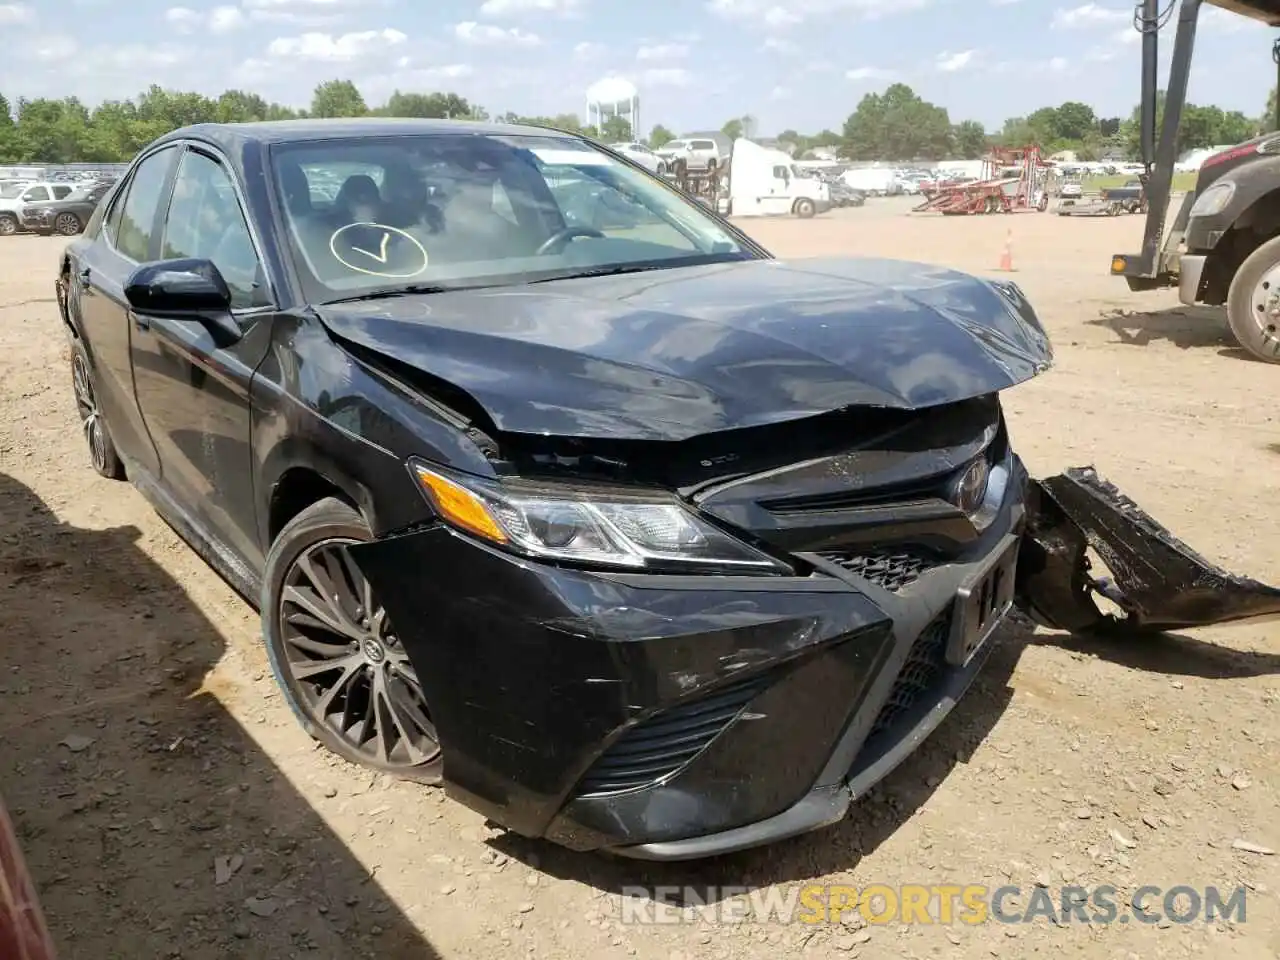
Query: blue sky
x=791, y=63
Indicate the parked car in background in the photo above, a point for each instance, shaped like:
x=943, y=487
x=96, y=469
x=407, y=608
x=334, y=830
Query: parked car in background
x=642, y=155
x=67, y=216
x=1072, y=189
x=696, y=153
x=11, y=206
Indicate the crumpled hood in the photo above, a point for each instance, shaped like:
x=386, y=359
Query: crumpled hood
x=672, y=354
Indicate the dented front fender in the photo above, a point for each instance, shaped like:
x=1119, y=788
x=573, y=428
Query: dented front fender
x=1157, y=580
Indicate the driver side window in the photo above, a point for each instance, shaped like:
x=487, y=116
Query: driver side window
x=205, y=221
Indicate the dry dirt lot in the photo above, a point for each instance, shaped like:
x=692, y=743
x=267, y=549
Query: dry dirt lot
x=141, y=739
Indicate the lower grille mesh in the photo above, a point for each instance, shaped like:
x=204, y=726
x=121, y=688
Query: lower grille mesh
x=890, y=571
x=659, y=746
x=924, y=668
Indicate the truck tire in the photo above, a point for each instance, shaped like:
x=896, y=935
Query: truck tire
x=805, y=208
x=8, y=224
x=1253, y=302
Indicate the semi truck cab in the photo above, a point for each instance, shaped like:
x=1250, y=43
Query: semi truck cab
x=1223, y=246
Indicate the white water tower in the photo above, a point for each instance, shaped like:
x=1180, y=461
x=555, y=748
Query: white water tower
x=614, y=97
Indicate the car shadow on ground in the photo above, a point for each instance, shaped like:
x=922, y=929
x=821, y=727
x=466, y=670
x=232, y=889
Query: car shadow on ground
x=1174, y=654
x=1185, y=327
x=871, y=821
x=126, y=778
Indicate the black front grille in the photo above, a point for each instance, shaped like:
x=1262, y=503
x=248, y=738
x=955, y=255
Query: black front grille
x=658, y=747
x=925, y=666
x=892, y=571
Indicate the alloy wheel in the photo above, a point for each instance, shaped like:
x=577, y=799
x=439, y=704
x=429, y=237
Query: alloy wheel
x=90, y=416
x=8, y=226
x=67, y=224
x=347, y=663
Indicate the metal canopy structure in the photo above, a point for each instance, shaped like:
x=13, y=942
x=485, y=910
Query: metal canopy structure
x=1147, y=270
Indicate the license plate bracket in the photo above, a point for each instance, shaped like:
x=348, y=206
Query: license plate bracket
x=982, y=602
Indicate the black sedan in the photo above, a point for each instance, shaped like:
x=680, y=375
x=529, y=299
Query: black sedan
x=636, y=539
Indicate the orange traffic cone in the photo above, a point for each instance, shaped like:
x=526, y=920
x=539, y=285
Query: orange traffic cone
x=1006, y=256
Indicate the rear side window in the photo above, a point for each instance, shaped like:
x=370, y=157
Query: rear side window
x=704, y=144
x=61, y=192
x=138, y=207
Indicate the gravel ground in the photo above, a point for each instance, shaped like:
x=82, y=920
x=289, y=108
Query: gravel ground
x=170, y=806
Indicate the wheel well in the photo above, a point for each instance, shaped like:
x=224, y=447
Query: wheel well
x=1254, y=227
x=297, y=489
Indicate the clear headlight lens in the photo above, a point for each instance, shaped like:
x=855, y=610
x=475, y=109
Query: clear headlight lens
x=609, y=529
x=1214, y=200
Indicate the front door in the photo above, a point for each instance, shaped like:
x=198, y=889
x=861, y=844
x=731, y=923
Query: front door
x=194, y=394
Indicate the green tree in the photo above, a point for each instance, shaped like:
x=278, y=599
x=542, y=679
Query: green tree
x=896, y=125
x=338, y=98
x=970, y=138
x=660, y=136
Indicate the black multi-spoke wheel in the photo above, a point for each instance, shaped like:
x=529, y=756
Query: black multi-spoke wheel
x=67, y=224
x=336, y=653
x=102, y=452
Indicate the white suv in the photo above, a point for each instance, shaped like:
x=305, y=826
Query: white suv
x=697, y=153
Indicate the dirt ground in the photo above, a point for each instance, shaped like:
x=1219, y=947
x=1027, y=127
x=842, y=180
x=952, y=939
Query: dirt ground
x=171, y=807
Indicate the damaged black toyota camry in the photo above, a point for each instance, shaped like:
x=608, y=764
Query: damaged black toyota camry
x=554, y=487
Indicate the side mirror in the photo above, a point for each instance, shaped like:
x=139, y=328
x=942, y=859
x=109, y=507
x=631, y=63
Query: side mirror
x=184, y=289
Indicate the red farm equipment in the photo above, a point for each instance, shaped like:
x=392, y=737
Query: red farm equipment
x=1011, y=180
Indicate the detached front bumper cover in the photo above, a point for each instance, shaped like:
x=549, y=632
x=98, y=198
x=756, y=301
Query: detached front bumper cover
x=1159, y=583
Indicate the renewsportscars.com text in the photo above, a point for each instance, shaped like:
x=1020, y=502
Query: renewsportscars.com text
x=968, y=904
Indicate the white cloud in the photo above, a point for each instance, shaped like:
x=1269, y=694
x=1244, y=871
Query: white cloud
x=51, y=48
x=326, y=47
x=663, y=51
x=868, y=73
x=666, y=77
x=497, y=9
x=1090, y=15
x=778, y=45
x=771, y=13
x=484, y=34
x=952, y=62
x=224, y=19
x=780, y=93
x=16, y=13
x=1058, y=64
x=589, y=51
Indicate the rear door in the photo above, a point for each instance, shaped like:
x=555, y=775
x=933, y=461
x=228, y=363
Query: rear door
x=99, y=270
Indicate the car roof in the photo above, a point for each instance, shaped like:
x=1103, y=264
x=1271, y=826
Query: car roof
x=237, y=135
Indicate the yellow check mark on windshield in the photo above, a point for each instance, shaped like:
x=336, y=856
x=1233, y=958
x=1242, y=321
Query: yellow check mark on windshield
x=381, y=255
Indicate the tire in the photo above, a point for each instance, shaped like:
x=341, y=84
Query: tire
x=370, y=668
x=102, y=451
x=1255, y=325
x=67, y=224
x=8, y=224
x=805, y=208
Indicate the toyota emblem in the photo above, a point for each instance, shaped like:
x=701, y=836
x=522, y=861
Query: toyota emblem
x=969, y=489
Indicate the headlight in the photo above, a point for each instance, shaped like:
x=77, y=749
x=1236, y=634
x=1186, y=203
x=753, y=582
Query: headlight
x=608, y=528
x=1214, y=200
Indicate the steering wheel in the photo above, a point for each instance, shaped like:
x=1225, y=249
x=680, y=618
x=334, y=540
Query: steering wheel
x=555, y=243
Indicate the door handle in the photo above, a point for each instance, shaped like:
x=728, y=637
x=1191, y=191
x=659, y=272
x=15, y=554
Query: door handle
x=84, y=275
x=141, y=322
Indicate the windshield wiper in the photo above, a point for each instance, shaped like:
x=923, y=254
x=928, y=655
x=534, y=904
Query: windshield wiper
x=406, y=291
x=613, y=271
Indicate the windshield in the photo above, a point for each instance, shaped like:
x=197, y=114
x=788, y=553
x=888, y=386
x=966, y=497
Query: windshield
x=365, y=215
x=11, y=190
